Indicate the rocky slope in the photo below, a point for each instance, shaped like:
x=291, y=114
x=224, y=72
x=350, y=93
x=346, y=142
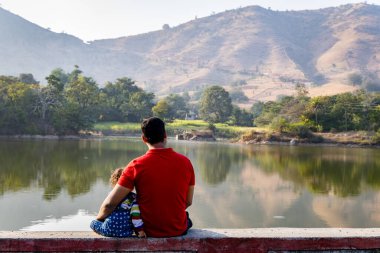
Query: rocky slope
x=255, y=50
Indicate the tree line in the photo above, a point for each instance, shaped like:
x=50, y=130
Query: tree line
x=70, y=102
x=355, y=111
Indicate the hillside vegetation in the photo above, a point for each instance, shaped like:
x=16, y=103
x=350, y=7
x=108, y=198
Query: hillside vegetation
x=255, y=51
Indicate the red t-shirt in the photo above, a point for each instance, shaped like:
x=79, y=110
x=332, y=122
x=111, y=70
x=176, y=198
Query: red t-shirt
x=162, y=178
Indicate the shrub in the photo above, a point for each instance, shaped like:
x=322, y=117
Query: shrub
x=279, y=124
x=300, y=130
x=376, y=138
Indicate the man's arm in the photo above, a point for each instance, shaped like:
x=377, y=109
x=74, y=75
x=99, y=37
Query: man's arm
x=189, y=198
x=114, y=198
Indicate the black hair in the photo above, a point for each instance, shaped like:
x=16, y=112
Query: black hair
x=153, y=130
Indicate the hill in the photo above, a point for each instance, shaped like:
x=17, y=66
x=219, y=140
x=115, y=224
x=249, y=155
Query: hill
x=259, y=52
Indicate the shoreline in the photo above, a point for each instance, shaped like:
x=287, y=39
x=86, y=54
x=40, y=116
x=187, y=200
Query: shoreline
x=290, y=143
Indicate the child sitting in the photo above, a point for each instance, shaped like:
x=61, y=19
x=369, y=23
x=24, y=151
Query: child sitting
x=125, y=219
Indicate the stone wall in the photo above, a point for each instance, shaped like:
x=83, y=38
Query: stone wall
x=200, y=240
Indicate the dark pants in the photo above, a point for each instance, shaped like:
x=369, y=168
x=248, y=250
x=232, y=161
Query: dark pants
x=189, y=223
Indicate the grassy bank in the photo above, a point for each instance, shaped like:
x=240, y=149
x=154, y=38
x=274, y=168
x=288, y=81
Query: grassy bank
x=356, y=138
x=244, y=134
x=176, y=127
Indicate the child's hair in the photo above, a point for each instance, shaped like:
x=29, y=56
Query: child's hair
x=115, y=176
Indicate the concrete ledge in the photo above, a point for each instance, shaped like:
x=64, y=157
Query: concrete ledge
x=199, y=240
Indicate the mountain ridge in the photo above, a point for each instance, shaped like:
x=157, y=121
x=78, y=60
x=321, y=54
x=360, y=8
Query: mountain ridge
x=261, y=52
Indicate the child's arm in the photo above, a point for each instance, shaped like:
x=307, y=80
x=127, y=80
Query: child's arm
x=137, y=221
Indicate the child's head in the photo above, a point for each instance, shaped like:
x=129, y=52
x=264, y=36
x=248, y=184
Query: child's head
x=115, y=176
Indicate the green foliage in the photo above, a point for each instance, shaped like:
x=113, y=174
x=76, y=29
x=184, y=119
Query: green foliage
x=238, y=96
x=118, y=128
x=211, y=127
x=27, y=78
x=139, y=106
x=279, y=113
x=342, y=112
x=215, y=105
x=346, y=173
x=241, y=117
x=376, y=137
x=178, y=106
x=279, y=124
x=257, y=108
x=221, y=130
x=69, y=103
x=16, y=106
x=57, y=79
x=302, y=130
x=345, y=112
x=162, y=109
x=172, y=107
x=124, y=101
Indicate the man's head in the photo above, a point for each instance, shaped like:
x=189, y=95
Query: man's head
x=153, y=130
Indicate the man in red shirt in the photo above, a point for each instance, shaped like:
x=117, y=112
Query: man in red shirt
x=164, y=182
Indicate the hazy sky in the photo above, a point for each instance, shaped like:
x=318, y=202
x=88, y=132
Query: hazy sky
x=97, y=19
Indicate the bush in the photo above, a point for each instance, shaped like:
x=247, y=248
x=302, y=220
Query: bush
x=376, y=138
x=211, y=127
x=300, y=130
x=279, y=124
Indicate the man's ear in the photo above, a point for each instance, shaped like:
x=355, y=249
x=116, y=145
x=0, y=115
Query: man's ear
x=165, y=135
x=145, y=140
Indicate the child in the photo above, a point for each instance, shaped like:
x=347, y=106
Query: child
x=124, y=219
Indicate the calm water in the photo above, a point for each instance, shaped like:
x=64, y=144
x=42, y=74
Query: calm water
x=59, y=185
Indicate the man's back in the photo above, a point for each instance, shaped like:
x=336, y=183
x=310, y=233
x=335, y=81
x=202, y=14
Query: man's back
x=162, y=179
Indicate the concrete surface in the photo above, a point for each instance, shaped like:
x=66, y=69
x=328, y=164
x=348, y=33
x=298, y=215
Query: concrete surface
x=200, y=240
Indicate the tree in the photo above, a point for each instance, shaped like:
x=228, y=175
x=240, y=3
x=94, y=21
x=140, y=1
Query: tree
x=57, y=79
x=301, y=90
x=73, y=76
x=27, y=78
x=238, y=96
x=270, y=110
x=171, y=107
x=215, y=105
x=124, y=101
x=241, y=117
x=162, y=109
x=16, y=106
x=48, y=99
x=177, y=106
x=186, y=97
x=257, y=108
x=139, y=106
x=82, y=97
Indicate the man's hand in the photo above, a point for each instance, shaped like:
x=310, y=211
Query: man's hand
x=117, y=194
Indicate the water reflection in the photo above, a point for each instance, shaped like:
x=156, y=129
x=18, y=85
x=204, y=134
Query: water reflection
x=339, y=171
x=237, y=186
x=57, y=165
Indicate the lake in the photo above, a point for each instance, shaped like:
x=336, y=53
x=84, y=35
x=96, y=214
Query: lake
x=58, y=185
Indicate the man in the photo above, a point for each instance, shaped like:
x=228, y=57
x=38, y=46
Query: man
x=164, y=182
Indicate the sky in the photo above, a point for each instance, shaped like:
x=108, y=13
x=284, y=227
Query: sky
x=103, y=19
